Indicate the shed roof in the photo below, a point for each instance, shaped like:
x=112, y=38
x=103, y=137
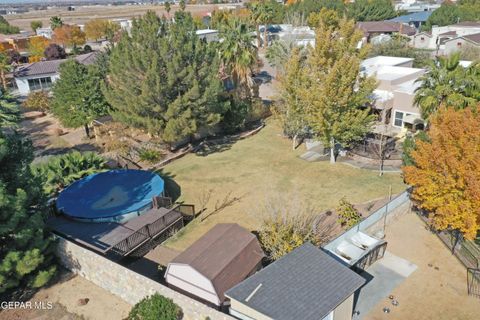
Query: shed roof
x=305, y=284
x=225, y=255
x=467, y=24
x=52, y=66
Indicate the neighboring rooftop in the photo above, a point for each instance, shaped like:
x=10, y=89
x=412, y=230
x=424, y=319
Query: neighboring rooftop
x=393, y=73
x=421, y=16
x=52, y=66
x=408, y=86
x=225, y=255
x=385, y=27
x=473, y=37
x=467, y=24
x=385, y=61
x=305, y=284
x=448, y=33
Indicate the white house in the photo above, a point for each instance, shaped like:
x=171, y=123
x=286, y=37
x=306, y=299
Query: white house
x=45, y=32
x=41, y=75
x=462, y=42
x=436, y=39
x=208, y=34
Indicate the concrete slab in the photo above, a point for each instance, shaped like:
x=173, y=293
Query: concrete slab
x=311, y=156
x=382, y=277
x=399, y=265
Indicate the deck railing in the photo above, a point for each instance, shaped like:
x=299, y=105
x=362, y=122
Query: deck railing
x=152, y=230
x=187, y=210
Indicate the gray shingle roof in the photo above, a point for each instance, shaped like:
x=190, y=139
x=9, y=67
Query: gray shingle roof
x=50, y=67
x=305, y=284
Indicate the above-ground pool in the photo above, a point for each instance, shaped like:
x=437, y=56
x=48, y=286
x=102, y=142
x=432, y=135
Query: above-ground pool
x=114, y=195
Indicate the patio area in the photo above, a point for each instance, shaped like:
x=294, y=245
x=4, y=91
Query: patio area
x=420, y=272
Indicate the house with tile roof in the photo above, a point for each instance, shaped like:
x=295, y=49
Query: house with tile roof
x=459, y=43
x=372, y=29
x=438, y=36
x=41, y=75
x=306, y=284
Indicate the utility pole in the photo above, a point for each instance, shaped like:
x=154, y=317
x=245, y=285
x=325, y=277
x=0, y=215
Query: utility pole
x=386, y=209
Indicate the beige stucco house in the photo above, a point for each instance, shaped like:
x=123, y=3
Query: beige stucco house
x=463, y=42
x=397, y=82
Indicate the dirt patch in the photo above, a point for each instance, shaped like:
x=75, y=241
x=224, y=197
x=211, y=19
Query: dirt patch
x=82, y=14
x=64, y=297
x=437, y=289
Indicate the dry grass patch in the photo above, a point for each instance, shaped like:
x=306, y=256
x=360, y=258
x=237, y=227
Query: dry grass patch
x=256, y=168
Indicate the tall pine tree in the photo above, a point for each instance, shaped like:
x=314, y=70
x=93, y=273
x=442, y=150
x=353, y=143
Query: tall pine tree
x=164, y=79
x=25, y=250
x=77, y=95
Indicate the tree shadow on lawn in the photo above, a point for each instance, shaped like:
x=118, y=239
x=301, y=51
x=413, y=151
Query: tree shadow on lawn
x=172, y=189
x=216, y=146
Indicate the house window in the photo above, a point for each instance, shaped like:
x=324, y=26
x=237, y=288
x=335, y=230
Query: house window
x=459, y=44
x=422, y=38
x=398, y=122
x=40, y=83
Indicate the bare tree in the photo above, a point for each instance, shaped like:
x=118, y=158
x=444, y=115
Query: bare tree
x=227, y=201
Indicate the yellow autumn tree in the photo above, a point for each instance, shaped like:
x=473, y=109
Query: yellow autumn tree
x=36, y=48
x=68, y=35
x=95, y=29
x=446, y=171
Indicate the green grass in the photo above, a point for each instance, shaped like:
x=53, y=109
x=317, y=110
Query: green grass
x=261, y=167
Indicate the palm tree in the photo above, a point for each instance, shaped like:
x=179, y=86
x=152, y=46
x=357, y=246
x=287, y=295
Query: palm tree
x=238, y=54
x=256, y=17
x=56, y=22
x=267, y=15
x=447, y=83
x=261, y=13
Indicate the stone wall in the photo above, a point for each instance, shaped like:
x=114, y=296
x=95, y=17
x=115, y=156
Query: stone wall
x=125, y=283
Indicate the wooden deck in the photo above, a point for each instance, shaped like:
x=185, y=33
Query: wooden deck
x=119, y=238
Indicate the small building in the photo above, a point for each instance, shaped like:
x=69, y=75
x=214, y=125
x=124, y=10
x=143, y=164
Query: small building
x=458, y=43
x=305, y=284
x=219, y=260
x=41, y=75
x=208, y=35
x=45, y=32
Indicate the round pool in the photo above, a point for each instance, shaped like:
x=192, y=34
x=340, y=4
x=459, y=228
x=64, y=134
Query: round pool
x=115, y=195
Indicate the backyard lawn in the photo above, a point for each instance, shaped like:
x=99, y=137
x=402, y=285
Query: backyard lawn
x=261, y=168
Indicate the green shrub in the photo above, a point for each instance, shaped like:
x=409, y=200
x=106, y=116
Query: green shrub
x=150, y=155
x=60, y=171
x=348, y=216
x=37, y=100
x=155, y=307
